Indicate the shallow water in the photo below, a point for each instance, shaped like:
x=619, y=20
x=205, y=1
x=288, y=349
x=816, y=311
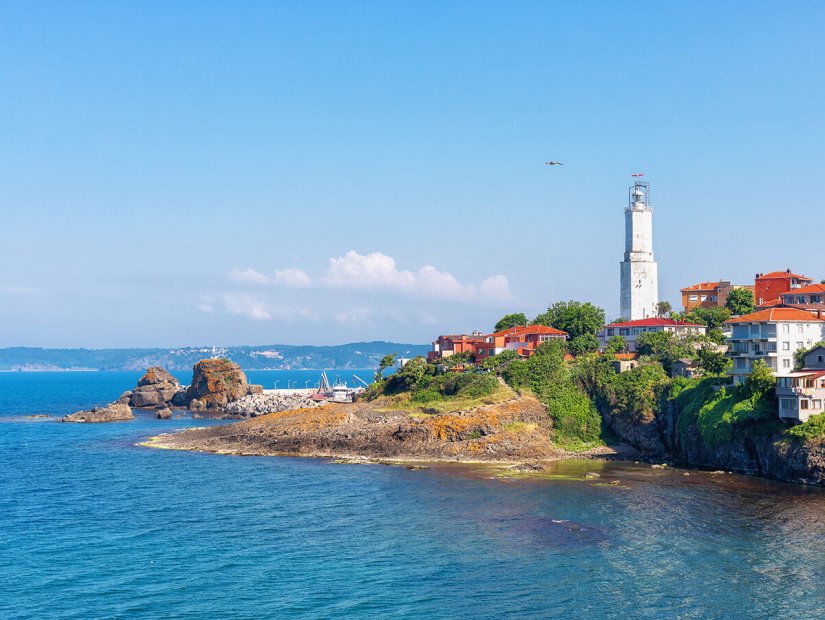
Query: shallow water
x=93, y=526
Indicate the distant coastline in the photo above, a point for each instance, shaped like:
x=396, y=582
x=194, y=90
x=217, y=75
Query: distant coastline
x=352, y=356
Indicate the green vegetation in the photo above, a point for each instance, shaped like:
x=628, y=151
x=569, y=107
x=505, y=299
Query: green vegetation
x=576, y=422
x=510, y=320
x=417, y=387
x=740, y=301
x=388, y=361
x=720, y=415
x=616, y=344
x=663, y=309
x=813, y=428
x=581, y=321
x=712, y=362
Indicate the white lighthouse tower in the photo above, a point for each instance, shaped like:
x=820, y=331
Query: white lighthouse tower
x=639, y=279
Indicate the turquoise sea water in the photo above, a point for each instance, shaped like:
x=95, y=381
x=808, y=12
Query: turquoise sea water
x=92, y=526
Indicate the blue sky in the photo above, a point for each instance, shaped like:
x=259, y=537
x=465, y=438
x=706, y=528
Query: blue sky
x=177, y=173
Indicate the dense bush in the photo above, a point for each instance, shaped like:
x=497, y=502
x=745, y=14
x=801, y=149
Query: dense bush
x=813, y=428
x=720, y=415
x=458, y=385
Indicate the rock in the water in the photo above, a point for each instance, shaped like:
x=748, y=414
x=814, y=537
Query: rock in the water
x=164, y=414
x=156, y=389
x=112, y=413
x=125, y=398
x=216, y=383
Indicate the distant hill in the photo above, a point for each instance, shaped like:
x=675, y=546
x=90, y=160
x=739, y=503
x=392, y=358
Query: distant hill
x=267, y=357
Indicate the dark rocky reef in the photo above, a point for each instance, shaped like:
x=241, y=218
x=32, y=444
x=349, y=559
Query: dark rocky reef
x=112, y=413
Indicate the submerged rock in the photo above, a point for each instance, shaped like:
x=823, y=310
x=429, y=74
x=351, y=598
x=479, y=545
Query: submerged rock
x=164, y=414
x=112, y=413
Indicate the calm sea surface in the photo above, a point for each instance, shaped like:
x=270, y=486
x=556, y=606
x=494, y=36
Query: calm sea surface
x=92, y=526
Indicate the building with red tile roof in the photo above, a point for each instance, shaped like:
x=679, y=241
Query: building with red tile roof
x=708, y=294
x=773, y=335
x=523, y=339
x=630, y=330
x=770, y=286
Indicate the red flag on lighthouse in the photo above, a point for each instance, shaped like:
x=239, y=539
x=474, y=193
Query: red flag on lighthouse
x=638, y=174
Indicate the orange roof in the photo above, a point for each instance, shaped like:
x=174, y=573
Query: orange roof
x=775, y=315
x=805, y=290
x=704, y=286
x=626, y=357
x=781, y=275
x=524, y=330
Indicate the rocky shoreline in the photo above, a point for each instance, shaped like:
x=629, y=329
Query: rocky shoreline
x=512, y=432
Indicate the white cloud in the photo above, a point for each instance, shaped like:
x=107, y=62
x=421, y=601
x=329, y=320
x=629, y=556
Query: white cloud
x=206, y=304
x=248, y=276
x=377, y=271
x=496, y=288
x=293, y=278
x=367, y=271
x=243, y=305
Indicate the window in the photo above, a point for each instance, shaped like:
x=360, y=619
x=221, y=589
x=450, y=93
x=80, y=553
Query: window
x=803, y=404
x=786, y=346
x=741, y=363
x=816, y=404
x=714, y=298
x=784, y=382
x=800, y=328
x=693, y=298
x=786, y=328
x=610, y=331
x=798, y=344
x=704, y=298
x=787, y=404
x=786, y=363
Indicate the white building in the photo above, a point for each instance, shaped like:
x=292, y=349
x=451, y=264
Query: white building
x=802, y=394
x=630, y=330
x=772, y=335
x=639, y=272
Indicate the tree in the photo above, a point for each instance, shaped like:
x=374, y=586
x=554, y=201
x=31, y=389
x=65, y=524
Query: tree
x=740, y=301
x=573, y=317
x=616, y=344
x=663, y=309
x=713, y=362
x=666, y=347
x=586, y=343
x=388, y=361
x=714, y=317
x=761, y=380
x=511, y=320
x=409, y=376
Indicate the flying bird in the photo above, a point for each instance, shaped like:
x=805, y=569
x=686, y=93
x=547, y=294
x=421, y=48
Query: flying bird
x=554, y=163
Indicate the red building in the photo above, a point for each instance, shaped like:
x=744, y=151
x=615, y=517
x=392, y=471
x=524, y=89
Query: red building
x=524, y=340
x=769, y=287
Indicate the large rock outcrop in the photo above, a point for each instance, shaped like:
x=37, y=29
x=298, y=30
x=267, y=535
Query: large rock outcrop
x=111, y=413
x=215, y=384
x=157, y=389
